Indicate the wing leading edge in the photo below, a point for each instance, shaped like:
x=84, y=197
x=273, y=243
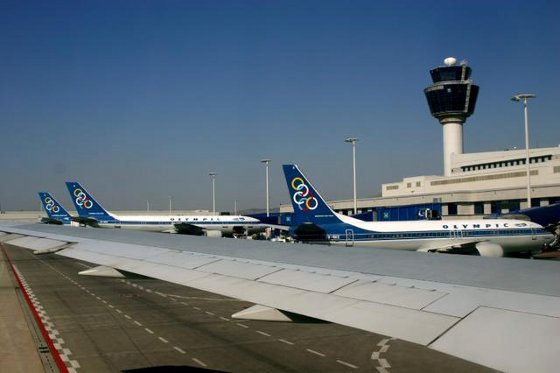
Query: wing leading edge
x=439, y=314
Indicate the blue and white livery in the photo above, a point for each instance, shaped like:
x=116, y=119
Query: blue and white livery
x=212, y=225
x=55, y=212
x=317, y=222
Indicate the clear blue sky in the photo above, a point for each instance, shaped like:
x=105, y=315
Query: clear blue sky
x=139, y=100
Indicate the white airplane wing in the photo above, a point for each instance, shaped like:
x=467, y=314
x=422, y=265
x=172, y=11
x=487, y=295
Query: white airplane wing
x=499, y=312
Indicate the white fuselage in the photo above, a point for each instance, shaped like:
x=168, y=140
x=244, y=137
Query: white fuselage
x=512, y=236
x=227, y=224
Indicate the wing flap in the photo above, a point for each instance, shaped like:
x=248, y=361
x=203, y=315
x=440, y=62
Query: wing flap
x=489, y=334
x=408, y=297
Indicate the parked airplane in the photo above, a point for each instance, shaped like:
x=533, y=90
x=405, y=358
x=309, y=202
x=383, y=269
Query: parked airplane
x=88, y=207
x=319, y=223
x=55, y=212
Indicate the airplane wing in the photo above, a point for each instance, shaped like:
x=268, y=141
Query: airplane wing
x=499, y=312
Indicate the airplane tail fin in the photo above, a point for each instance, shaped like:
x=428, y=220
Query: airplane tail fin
x=308, y=204
x=85, y=204
x=54, y=210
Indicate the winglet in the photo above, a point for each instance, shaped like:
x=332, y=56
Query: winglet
x=308, y=204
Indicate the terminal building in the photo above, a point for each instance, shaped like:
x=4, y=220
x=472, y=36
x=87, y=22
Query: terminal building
x=472, y=185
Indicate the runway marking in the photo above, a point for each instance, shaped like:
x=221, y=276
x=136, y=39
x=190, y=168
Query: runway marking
x=72, y=365
x=199, y=362
x=57, y=342
x=286, y=342
x=383, y=364
x=383, y=349
x=315, y=352
x=347, y=364
x=178, y=349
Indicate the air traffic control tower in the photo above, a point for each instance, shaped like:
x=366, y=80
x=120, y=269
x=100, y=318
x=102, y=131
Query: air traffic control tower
x=451, y=98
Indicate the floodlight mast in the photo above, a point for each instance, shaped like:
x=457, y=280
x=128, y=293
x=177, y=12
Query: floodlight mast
x=266, y=161
x=524, y=97
x=213, y=176
x=353, y=141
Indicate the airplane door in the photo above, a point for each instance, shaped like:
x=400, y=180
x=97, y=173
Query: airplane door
x=349, y=237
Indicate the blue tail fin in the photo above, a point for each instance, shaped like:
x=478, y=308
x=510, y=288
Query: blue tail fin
x=308, y=204
x=54, y=209
x=85, y=205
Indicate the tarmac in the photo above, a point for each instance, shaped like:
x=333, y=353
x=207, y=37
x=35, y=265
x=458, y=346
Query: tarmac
x=23, y=346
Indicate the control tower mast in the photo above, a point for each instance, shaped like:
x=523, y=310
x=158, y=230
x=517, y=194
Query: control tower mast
x=452, y=99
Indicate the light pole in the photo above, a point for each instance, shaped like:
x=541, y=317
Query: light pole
x=353, y=140
x=524, y=97
x=266, y=162
x=213, y=176
x=170, y=204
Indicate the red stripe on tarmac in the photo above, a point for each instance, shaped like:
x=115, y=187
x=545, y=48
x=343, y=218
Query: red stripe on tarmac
x=54, y=352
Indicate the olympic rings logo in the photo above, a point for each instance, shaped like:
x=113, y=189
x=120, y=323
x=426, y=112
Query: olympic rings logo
x=303, y=197
x=51, y=206
x=81, y=199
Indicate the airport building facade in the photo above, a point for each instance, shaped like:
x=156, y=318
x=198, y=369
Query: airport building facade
x=473, y=184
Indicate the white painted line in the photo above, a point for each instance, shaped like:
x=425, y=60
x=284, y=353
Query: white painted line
x=163, y=340
x=315, y=352
x=178, y=349
x=286, y=342
x=197, y=308
x=242, y=325
x=224, y=318
x=263, y=333
x=119, y=311
x=347, y=364
x=128, y=317
x=137, y=323
x=184, y=303
x=148, y=330
x=210, y=313
x=111, y=306
x=199, y=362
